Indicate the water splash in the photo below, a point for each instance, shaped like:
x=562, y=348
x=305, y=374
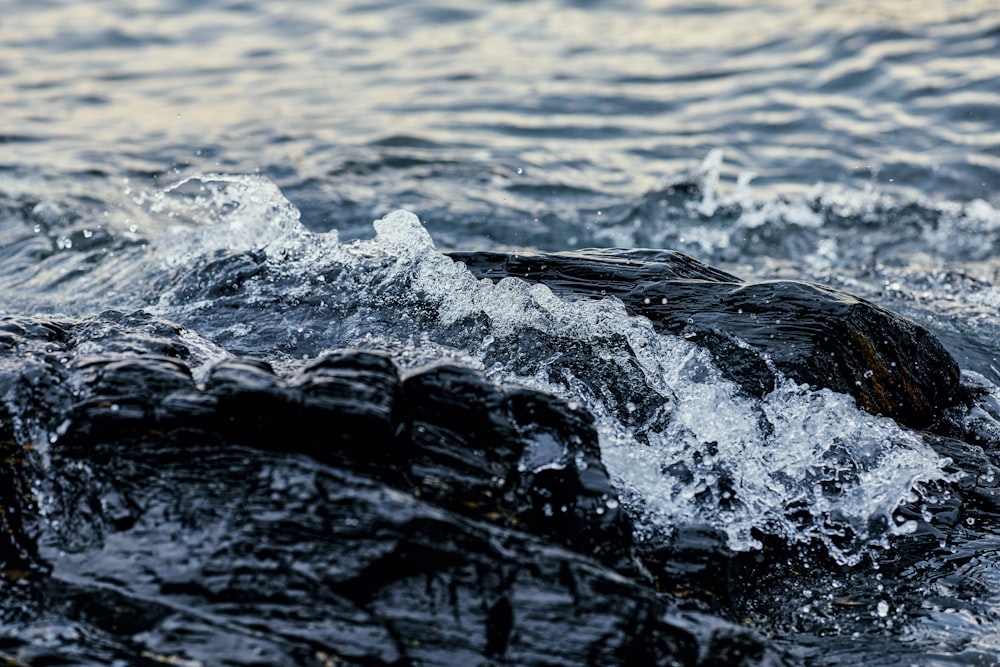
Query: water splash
x=206, y=212
x=830, y=225
x=683, y=444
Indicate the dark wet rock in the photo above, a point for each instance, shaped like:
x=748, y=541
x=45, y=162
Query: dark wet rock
x=337, y=513
x=519, y=456
x=443, y=433
x=161, y=506
x=18, y=552
x=298, y=564
x=811, y=333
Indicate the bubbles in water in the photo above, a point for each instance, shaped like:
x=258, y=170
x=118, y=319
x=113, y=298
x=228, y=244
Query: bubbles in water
x=401, y=234
x=683, y=445
x=234, y=212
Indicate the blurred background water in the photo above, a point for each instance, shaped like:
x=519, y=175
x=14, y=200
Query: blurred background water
x=449, y=106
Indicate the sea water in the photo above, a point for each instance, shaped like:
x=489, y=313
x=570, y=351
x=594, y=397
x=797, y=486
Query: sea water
x=853, y=143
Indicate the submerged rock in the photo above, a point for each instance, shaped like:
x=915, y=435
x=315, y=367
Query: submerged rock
x=811, y=333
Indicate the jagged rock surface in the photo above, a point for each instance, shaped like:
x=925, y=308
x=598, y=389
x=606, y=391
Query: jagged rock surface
x=814, y=334
x=161, y=502
x=341, y=514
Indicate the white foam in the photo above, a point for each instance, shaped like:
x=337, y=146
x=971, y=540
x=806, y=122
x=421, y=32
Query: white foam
x=401, y=234
x=683, y=444
x=239, y=212
x=806, y=465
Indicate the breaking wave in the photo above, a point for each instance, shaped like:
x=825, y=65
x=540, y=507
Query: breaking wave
x=684, y=445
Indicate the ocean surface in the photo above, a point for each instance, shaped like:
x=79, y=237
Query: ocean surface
x=853, y=143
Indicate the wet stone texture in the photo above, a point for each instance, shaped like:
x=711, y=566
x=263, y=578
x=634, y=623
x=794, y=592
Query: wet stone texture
x=342, y=514
x=158, y=506
x=812, y=333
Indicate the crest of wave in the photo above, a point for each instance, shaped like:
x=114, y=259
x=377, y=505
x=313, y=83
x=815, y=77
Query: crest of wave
x=206, y=212
x=683, y=444
x=826, y=227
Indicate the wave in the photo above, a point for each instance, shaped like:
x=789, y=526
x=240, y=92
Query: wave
x=684, y=444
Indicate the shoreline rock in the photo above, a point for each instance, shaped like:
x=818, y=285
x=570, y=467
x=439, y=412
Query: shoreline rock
x=812, y=333
x=345, y=512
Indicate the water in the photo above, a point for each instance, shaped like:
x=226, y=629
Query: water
x=853, y=143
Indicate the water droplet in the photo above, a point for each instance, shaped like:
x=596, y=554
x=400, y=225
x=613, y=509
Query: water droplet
x=882, y=608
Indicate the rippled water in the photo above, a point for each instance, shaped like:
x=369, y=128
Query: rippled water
x=587, y=98
x=854, y=143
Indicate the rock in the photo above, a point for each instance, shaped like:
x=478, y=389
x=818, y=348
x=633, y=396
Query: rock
x=281, y=562
x=811, y=333
x=340, y=512
x=521, y=457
